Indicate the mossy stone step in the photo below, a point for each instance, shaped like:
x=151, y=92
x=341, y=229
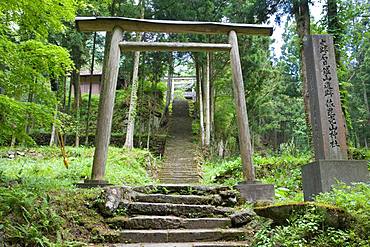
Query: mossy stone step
x=179, y=199
x=167, y=222
x=189, y=244
x=184, y=189
x=176, y=235
x=149, y=208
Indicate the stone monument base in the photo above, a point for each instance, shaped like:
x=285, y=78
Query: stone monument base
x=319, y=176
x=256, y=191
x=88, y=183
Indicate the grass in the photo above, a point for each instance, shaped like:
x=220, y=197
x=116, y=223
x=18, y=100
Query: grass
x=39, y=204
x=123, y=166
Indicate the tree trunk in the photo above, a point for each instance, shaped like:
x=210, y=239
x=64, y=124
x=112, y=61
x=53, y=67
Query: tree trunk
x=212, y=97
x=302, y=16
x=90, y=92
x=169, y=88
x=53, y=129
x=129, y=142
x=207, y=105
x=64, y=93
x=149, y=125
x=75, y=80
x=334, y=27
x=75, y=77
x=200, y=95
x=68, y=109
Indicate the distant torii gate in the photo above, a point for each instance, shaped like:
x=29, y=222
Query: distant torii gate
x=117, y=25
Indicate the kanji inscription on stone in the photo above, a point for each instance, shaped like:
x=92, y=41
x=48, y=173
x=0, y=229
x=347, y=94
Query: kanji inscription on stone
x=328, y=124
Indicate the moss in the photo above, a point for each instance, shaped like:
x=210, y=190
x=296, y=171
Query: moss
x=280, y=213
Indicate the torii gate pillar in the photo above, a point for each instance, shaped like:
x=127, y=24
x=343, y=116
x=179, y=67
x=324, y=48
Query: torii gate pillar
x=250, y=189
x=106, y=105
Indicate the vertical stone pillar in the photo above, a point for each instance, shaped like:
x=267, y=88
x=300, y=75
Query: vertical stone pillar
x=328, y=124
x=106, y=104
x=241, y=109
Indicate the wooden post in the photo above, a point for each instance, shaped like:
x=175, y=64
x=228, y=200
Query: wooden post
x=241, y=109
x=106, y=104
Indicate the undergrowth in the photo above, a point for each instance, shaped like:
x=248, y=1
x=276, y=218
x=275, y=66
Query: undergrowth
x=39, y=204
x=308, y=228
x=284, y=171
x=123, y=166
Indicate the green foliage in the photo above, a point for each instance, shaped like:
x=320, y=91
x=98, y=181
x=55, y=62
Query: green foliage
x=15, y=115
x=306, y=228
x=34, y=212
x=28, y=64
x=27, y=216
x=355, y=200
x=35, y=20
x=284, y=171
x=33, y=188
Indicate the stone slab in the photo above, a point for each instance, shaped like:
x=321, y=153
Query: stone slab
x=177, y=235
x=147, y=208
x=320, y=176
x=167, y=222
x=181, y=188
x=88, y=183
x=255, y=191
x=179, y=199
x=242, y=218
x=191, y=244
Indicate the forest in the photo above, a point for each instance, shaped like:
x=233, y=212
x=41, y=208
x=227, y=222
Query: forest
x=51, y=75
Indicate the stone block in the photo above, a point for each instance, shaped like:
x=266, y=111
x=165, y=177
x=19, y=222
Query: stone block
x=88, y=183
x=321, y=175
x=255, y=191
x=242, y=218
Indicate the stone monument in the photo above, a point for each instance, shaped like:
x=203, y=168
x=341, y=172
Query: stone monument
x=328, y=124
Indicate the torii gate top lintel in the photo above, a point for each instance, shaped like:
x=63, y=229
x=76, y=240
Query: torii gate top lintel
x=101, y=24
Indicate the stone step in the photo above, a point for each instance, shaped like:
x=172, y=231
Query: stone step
x=179, y=199
x=179, y=180
x=188, y=244
x=178, y=175
x=180, y=172
x=193, y=211
x=184, y=189
x=179, y=167
x=167, y=222
x=176, y=235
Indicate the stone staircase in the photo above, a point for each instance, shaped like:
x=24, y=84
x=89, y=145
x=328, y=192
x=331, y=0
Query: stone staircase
x=174, y=215
x=179, y=165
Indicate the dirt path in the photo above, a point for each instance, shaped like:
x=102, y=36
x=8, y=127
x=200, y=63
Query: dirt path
x=179, y=166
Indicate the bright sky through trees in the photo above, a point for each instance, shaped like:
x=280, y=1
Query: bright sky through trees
x=316, y=11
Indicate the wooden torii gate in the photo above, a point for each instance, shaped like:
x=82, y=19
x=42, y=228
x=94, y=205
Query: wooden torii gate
x=116, y=25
